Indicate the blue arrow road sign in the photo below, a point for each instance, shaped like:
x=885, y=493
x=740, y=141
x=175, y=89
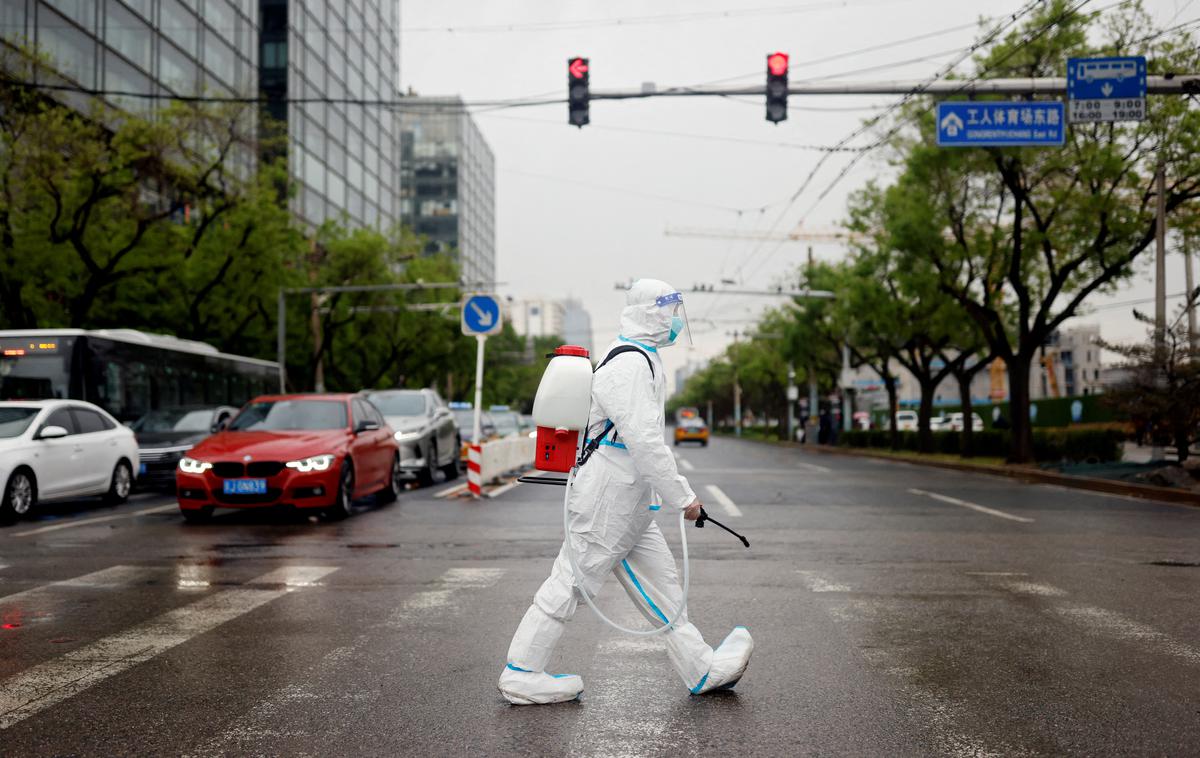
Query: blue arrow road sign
x=1106, y=89
x=1003, y=124
x=481, y=315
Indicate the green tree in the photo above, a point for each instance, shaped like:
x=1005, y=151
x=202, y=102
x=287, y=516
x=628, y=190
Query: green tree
x=1034, y=232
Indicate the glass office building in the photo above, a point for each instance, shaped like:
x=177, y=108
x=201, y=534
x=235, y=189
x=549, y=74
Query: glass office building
x=182, y=47
x=447, y=183
x=343, y=157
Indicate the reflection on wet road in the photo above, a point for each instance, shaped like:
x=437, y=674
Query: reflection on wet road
x=896, y=611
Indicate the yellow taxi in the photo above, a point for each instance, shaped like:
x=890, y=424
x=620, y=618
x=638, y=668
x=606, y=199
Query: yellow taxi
x=691, y=430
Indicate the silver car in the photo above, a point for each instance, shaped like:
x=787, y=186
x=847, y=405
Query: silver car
x=426, y=430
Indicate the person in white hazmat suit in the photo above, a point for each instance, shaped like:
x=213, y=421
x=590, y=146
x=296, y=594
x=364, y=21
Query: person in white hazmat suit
x=612, y=506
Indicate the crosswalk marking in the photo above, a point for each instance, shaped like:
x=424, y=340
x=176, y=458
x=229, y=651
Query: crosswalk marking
x=817, y=582
x=113, y=576
x=972, y=506
x=295, y=576
x=443, y=594
x=723, y=500
x=685, y=464
x=54, y=681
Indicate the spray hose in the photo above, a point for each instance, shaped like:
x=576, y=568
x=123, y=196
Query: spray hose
x=578, y=574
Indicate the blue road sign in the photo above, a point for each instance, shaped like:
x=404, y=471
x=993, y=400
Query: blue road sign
x=1106, y=89
x=481, y=315
x=1002, y=124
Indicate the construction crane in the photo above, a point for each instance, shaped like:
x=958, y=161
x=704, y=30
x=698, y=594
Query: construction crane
x=833, y=236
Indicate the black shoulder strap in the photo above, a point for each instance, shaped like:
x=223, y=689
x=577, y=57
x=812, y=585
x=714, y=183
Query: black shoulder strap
x=626, y=349
x=592, y=445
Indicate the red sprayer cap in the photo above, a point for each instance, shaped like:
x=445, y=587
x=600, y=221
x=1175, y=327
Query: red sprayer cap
x=571, y=350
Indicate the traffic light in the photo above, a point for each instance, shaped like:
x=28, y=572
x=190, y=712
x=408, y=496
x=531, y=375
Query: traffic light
x=777, y=87
x=577, y=91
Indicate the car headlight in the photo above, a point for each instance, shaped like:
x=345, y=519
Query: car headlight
x=406, y=436
x=315, y=463
x=193, y=466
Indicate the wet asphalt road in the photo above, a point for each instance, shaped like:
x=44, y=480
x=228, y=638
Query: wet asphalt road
x=975, y=616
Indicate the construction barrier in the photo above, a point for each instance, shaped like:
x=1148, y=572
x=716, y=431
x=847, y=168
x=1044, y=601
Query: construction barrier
x=505, y=455
x=474, y=470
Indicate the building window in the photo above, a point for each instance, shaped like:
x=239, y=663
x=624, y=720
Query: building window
x=179, y=25
x=274, y=54
x=176, y=70
x=71, y=51
x=82, y=12
x=119, y=75
x=220, y=58
x=129, y=36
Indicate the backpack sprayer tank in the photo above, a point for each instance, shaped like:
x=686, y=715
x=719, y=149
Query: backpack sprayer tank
x=561, y=407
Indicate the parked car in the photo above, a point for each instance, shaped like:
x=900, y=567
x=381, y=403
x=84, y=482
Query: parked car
x=57, y=449
x=464, y=414
x=506, y=421
x=315, y=452
x=906, y=421
x=691, y=430
x=425, y=429
x=862, y=420
x=939, y=423
x=956, y=422
x=166, y=434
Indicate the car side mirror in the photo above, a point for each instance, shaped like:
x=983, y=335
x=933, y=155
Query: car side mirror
x=366, y=426
x=52, y=433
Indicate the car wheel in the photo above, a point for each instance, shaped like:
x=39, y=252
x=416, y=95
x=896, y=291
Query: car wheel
x=426, y=477
x=122, y=483
x=395, y=484
x=451, y=468
x=197, y=515
x=344, y=500
x=20, y=495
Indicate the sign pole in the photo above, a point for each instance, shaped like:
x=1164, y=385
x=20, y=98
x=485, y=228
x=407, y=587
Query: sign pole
x=475, y=454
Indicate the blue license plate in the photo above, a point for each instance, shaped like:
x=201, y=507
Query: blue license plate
x=245, y=486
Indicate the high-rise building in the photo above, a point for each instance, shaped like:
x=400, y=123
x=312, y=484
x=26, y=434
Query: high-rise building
x=447, y=183
x=164, y=47
x=343, y=157
x=538, y=318
x=576, y=324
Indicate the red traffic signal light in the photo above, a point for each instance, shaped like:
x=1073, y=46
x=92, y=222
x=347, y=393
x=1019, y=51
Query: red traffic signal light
x=777, y=87
x=578, y=94
x=777, y=64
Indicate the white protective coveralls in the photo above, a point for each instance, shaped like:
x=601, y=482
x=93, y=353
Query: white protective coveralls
x=612, y=529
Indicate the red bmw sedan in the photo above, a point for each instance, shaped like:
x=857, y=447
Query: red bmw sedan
x=317, y=452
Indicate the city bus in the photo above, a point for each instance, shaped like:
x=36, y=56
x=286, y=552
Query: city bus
x=127, y=372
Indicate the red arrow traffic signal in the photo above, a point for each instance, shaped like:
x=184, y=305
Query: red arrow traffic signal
x=578, y=94
x=577, y=67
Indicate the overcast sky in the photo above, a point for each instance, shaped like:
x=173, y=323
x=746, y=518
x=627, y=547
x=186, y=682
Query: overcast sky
x=579, y=210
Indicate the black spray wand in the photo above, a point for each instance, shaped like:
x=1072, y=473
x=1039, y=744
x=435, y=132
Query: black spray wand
x=705, y=517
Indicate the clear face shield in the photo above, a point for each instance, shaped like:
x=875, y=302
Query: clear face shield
x=679, y=320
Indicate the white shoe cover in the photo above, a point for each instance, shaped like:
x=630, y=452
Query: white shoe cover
x=521, y=687
x=729, y=662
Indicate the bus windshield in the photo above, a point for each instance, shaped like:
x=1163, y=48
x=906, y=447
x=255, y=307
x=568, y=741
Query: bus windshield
x=290, y=415
x=32, y=377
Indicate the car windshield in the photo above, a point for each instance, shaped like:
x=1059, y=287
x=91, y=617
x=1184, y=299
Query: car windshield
x=290, y=415
x=175, y=420
x=398, y=403
x=15, y=420
x=506, y=424
x=692, y=423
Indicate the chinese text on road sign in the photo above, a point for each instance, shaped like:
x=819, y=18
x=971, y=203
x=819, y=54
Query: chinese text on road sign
x=1106, y=89
x=974, y=124
x=481, y=315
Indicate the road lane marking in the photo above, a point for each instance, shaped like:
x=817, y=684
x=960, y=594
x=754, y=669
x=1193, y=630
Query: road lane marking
x=54, y=681
x=996, y=573
x=295, y=576
x=723, y=500
x=1113, y=624
x=453, y=489
x=109, y=578
x=504, y=488
x=813, y=467
x=684, y=463
x=97, y=520
x=972, y=506
x=443, y=595
x=816, y=582
x=1033, y=588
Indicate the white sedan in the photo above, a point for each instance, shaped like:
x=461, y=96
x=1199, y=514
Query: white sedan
x=56, y=449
